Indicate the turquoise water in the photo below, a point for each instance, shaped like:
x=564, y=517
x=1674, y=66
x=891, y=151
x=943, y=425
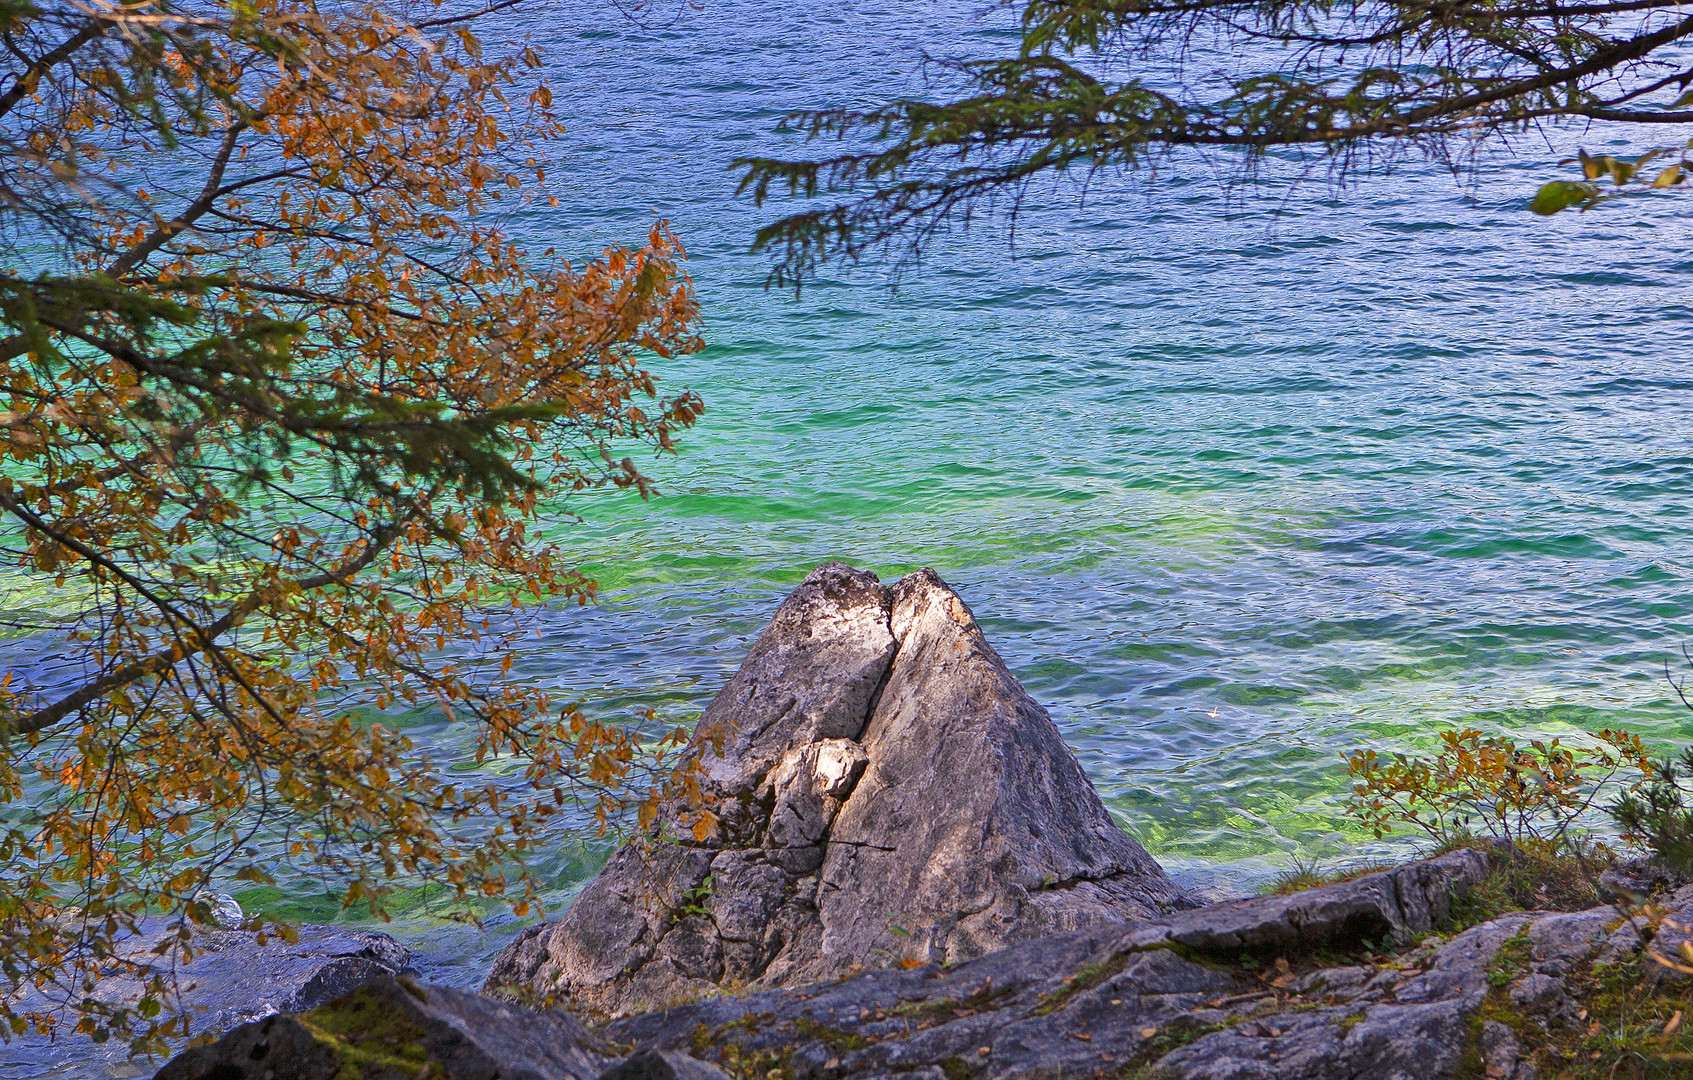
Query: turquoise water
x=1237, y=480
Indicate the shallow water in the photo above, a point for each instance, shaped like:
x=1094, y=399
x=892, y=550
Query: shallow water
x=1236, y=482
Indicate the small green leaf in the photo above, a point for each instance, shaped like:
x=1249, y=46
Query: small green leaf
x=1560, y=195
x=1669, y=176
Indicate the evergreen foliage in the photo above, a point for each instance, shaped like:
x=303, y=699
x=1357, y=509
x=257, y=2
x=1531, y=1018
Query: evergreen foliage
x=1102, y=86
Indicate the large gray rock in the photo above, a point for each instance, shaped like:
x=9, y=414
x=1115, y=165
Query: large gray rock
x=1211, y=995
x=887, y=794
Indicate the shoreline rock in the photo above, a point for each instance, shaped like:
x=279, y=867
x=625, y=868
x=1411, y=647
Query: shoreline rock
x=888, y=794
x=1282, y=987
x=892, y=800
x=1091, y=1003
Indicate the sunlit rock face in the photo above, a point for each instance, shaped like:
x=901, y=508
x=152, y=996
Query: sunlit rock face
x=888, y=795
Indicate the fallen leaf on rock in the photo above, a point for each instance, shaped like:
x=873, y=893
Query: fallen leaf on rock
x=1082, y=1036
x=1147, y=1033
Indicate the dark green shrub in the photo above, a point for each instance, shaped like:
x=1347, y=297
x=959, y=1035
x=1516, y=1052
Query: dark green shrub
x=1655, y=814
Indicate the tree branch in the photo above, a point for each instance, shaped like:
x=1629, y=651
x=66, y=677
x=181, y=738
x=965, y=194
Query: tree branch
x=25, y=83
x=162, y=235
x=200, y=639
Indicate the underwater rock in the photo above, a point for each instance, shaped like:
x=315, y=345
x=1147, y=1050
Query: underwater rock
x=231, y=978
x=888, y=794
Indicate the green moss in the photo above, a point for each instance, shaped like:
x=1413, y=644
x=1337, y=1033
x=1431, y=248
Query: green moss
x=1623, y=1036
x=700, y=1039
x=721, y=1048
x=371, y=1037
x=1511, y=961
x=724, y=1046
x=1144, y=1065
x=1086, y=978
x=1620, y=1033
x=840, y=1042
x=928, y=1013
x=746, y=1064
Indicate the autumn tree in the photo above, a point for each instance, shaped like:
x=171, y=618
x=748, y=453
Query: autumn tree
x=1098, y=87
x=284, y=405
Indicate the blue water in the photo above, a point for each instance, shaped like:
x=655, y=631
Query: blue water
x=1237, y=479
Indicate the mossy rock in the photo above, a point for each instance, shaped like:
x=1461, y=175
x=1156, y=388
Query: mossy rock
x=395, y=1029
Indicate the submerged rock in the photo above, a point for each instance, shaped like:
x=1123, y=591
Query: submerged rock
x=888, y=795
x=232, y=978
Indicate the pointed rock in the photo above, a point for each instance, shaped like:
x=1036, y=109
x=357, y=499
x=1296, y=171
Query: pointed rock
x=888, y=795
x=974, y=825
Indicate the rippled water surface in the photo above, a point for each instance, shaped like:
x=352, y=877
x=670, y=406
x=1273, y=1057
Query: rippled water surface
x=1235, y=482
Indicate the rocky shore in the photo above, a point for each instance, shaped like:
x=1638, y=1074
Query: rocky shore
x=910, y=875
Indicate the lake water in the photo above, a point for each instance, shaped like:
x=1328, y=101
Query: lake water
x=1237, y=482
